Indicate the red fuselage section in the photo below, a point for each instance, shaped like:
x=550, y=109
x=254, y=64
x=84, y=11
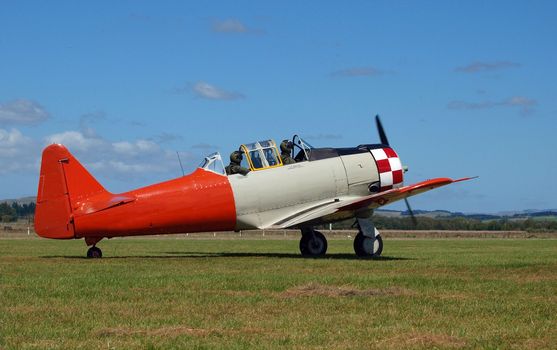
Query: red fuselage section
x=201, y=201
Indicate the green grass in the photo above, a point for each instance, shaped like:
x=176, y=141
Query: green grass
x=186, y=293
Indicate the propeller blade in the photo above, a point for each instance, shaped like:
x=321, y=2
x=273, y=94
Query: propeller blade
x=414, y=220
x=382, y=135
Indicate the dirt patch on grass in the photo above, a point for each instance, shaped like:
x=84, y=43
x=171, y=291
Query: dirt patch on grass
x=234, y=293
x=527, y=278
x=316, y=289
x=158, y=332
x=425, y=340
x=41, y=344
x=173, y=331
x=454, y=296
x=22, y=309
x=538, y=343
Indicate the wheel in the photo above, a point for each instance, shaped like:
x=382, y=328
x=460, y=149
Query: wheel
x=94, y=253
x=313, y=245
x=367, y=247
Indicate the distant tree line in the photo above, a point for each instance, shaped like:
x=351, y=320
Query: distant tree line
x=457, y=224
x=11, y=212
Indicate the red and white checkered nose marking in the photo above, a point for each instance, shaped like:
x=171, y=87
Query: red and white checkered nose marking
x=390, y=168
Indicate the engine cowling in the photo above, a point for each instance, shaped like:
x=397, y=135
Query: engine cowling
x=389, y=168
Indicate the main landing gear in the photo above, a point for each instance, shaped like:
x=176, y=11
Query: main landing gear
x=94, y=252
x=313, y=243
x=367, y=244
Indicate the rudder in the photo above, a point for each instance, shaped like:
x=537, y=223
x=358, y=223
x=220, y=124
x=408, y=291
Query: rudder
x=63, y=182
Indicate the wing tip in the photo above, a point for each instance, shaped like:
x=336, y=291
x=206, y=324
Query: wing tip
x=466, y=178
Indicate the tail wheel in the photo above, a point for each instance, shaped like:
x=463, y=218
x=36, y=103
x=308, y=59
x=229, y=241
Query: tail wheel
x=94, y=253
x=368, y=247
x=313, y=244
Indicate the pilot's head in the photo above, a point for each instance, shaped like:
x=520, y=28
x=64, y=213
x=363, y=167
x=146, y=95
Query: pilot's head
x=286, y=146
x=236, y=157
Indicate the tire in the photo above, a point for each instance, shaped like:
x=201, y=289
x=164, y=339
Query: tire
x=363, y=248
x=94, y=253
x=313, y=245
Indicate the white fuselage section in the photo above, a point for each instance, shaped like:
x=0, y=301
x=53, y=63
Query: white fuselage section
x=267, y=197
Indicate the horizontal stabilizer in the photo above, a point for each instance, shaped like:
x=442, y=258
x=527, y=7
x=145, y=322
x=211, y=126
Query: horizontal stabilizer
x=106, y=201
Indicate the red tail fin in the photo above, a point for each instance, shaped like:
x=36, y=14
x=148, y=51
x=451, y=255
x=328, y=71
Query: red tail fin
x=63, y=182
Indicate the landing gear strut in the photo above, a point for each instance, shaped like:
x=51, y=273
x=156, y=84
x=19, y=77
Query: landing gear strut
x=94, y=253
x=313, y=243
x=368, y=242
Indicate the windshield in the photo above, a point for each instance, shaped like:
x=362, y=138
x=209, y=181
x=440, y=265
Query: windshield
x=302, y=149
x=213, y=162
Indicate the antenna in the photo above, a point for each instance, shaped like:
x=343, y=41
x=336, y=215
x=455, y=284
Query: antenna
x=180, y=161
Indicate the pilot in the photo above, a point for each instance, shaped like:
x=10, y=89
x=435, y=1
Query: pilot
x=285, y=152
x=256, y=160
x=234, y=167
x=270, y=156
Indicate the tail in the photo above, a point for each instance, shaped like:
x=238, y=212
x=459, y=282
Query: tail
x=63, y=182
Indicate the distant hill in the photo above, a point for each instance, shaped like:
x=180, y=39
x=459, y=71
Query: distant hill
x=524, y=214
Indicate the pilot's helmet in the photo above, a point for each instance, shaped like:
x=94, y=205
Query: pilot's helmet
x=236, y=157
x=285, y=146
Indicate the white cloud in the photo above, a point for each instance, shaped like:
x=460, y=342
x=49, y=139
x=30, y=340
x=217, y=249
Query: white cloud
x=137, y=161
x=207, y=91
x=165, y=137
x=132, y=149
x=12, y=138
x=204, y=146
x=119, y=165
x=520, y=101
x=524, y=103
x=17, y=152
x=230, y=25
x=77, y=141
x=324, y=137
x=22, y=111
x=87, y=119
x=233, y=26
x=358, y=72
x=122, y=160
x=126, y=168
x=477, y=67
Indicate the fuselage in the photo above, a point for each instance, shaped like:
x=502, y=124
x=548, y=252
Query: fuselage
x=207, y=200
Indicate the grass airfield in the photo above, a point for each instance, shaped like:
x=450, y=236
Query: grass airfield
x=259, y=293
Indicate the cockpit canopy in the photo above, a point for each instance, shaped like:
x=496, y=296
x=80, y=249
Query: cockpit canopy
x=262, y=155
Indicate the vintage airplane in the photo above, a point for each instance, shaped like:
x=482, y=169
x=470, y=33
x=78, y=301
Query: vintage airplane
x=323, y=186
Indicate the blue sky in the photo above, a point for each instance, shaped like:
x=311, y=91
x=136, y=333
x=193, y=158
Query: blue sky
x=463, y=88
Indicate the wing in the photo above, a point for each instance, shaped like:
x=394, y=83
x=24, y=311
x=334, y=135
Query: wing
x=383, y=198
x=372, y=201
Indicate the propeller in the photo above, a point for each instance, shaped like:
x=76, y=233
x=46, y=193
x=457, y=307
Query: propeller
x=412, y=216
x=385, y=141
x=382, y=135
